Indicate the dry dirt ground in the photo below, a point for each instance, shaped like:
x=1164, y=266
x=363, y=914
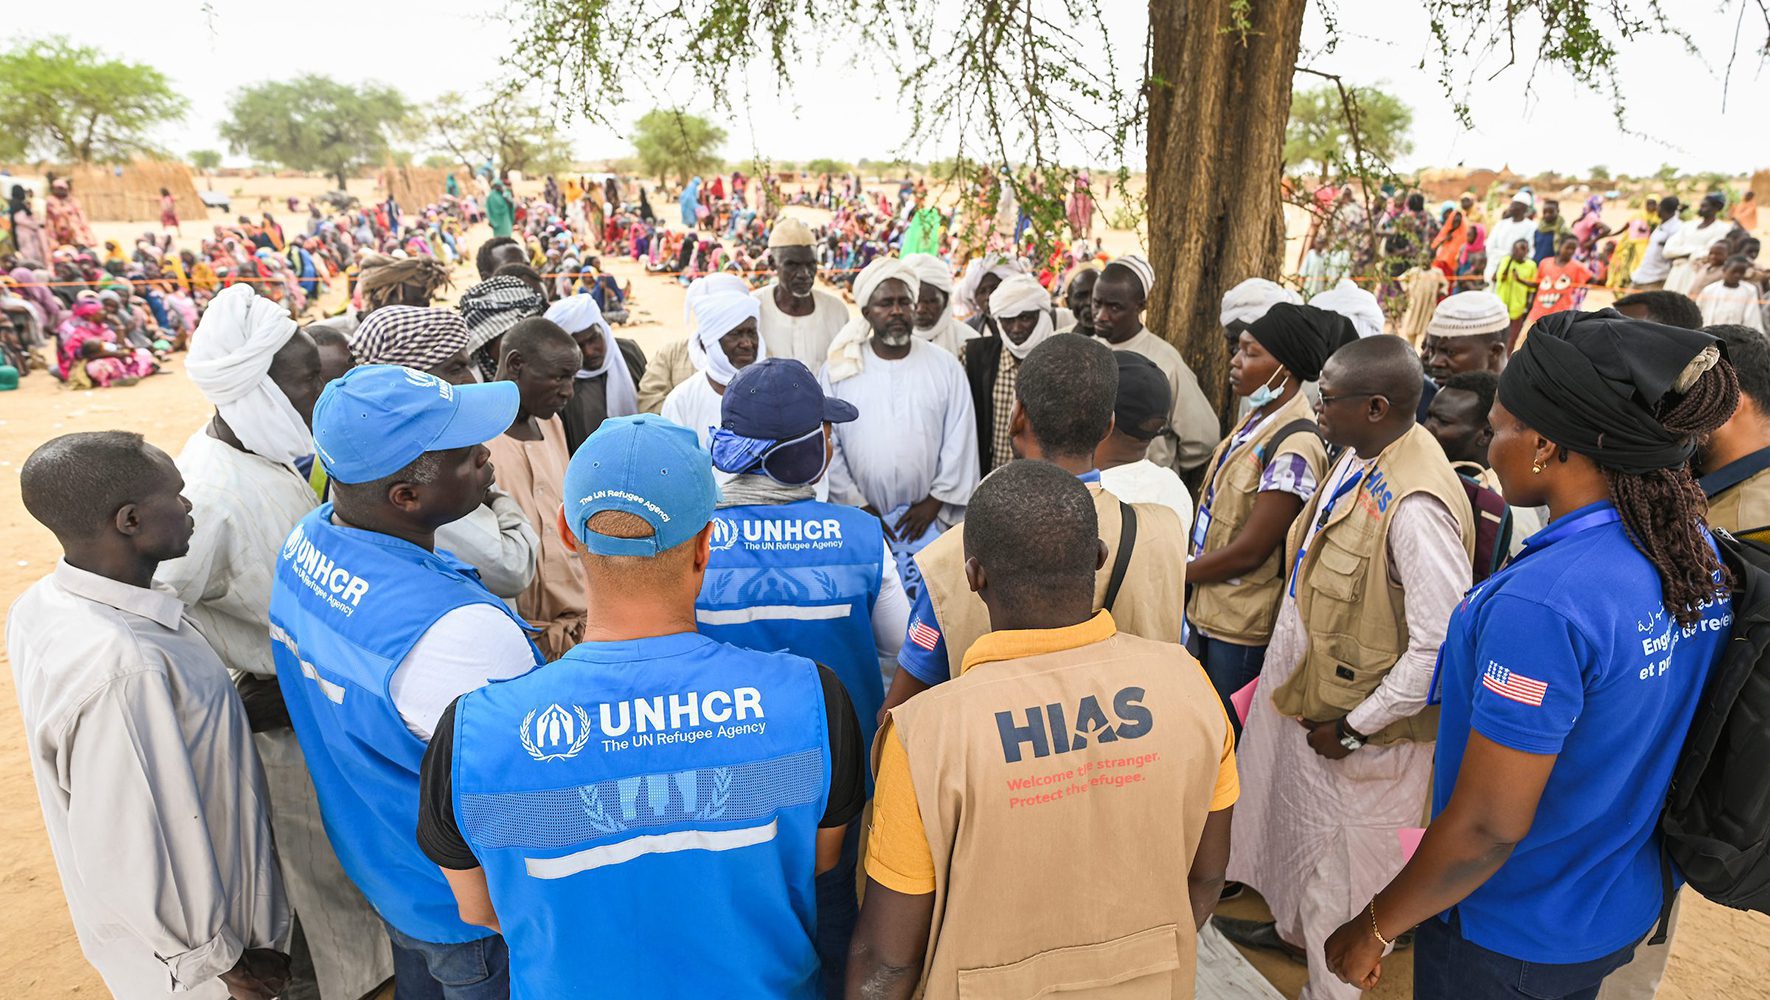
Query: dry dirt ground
x=1718, y=953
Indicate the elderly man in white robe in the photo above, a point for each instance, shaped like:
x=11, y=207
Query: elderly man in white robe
x=263, y=375
x=911, y=456
x=934, y=304
x=798, y=320
x=1120, y=296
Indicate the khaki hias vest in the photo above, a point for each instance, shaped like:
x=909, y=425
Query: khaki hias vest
x=1150, y=600
x=1353, y=611
x=1064, y=796
x=1242, y=610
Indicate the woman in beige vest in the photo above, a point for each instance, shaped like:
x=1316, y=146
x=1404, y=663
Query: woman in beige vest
x=1257, y=481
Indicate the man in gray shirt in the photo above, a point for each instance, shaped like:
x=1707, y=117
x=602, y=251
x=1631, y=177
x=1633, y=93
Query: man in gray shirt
x=150, y=788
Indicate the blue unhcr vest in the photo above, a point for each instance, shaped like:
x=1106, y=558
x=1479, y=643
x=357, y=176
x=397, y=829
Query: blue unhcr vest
x=346, y=607
x=800, y=577
x=646, y=815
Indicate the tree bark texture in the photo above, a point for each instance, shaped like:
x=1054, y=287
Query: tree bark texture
x=1218, y=104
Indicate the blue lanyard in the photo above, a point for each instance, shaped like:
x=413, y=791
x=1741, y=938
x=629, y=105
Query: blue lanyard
x=1321, y=520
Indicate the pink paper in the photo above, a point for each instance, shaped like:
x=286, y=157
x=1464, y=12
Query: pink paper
x=1244, y=700
x=1410, y=841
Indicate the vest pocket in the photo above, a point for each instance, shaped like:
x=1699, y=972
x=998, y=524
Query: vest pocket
x=1138, y=966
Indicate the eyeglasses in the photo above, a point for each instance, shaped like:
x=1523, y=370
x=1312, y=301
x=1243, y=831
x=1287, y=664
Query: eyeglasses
x=1327, y=400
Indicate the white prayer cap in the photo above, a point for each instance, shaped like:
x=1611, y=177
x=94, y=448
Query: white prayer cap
x=1139, y=267
x=1524, y=197
x=1249, y=300
x=1469, y=314
x=1355, y=304
x=931, y=270
x=881, y=270
x=789, y=232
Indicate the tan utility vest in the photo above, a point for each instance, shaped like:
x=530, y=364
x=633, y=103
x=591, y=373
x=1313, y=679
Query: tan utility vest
x=1064, y=796
x=1242, y=610
x=1743, y=507
x=1150, y=600
x=1352, y=610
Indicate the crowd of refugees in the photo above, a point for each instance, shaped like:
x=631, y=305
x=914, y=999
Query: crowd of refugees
x=496, y=657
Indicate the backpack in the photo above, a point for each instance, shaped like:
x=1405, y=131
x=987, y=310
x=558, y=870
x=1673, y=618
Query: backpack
x=1716, y=822
x=1493, y=528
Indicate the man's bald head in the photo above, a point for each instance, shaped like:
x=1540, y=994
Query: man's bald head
x=1032, y=540
x=1370, y=390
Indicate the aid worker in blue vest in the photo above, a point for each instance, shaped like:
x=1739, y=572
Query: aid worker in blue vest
x=375, y=632
x=790, y=573
x=647, y=815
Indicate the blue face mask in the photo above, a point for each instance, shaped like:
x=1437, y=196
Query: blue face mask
x=1266, y=393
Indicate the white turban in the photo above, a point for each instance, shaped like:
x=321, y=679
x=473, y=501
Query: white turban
x=1249, y=300
x=576, y=313
x=1355, y=304
x=1138, y=266
x=990, y=263
x=1022, y=294
x=847, y=352
x=229, y=362
x=717, y=304
x=931, y=270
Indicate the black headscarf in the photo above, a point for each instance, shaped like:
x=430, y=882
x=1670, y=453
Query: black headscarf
x=1593, y=382
x=1302, y=338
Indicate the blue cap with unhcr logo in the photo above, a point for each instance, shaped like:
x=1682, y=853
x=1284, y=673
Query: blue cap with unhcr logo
x=378, y=419
x=646, y=466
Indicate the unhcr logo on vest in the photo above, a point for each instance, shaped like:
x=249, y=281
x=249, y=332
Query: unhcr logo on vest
x=764, y=534
x=341, y=589
x=554, y=733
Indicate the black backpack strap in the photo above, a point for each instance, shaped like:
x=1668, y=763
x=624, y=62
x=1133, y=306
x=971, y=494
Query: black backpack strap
x=1302, y=425
x=1122, y=561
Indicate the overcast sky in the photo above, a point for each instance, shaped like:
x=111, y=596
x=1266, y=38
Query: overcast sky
x=209, y=50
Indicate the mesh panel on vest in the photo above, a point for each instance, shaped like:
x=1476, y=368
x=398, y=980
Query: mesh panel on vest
x=608, y=810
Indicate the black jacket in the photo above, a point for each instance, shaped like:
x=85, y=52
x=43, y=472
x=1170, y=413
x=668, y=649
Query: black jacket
x=982, y=358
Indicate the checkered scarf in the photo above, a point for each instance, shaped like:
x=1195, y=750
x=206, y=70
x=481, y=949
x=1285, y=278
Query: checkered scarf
x=491, y=308
x=409, y=335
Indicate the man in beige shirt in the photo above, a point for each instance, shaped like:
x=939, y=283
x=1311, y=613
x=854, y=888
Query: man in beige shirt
x=1193, y=430
x=150, y=788
x=530, y=460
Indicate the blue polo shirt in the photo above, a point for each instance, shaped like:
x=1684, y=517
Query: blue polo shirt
x=1569, y=651
x=924, y=646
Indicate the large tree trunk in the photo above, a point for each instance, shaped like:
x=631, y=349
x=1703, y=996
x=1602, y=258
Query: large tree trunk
x=1217, y=112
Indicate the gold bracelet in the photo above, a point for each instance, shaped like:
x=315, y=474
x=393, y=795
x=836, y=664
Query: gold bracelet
x=1379, y=934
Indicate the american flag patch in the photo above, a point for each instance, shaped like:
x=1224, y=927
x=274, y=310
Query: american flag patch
x=1517, y=687
x=924, y=636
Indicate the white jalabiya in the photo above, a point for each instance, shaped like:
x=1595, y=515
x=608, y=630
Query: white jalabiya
x=916, y=435
x=1687, y=246
x=1317, y=837
x=244, y=506
x=805, y=339
x=1738, y=305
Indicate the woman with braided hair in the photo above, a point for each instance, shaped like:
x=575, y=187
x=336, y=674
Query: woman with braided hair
x=1569, y=678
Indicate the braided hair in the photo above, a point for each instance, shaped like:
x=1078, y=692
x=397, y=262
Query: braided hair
x=1664, y=510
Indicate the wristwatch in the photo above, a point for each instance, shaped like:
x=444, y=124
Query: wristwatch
x=1350, y=738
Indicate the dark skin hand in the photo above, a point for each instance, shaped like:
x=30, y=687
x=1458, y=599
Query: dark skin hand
x=1258, y=538
x=1490, y=812
x=890, y=942
x=917, y=518
x=260, y=974
x=1204, y=880
x=1324, y=739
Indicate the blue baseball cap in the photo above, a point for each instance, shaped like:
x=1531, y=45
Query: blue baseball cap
x=378, y=419
x=646, y=466
x=770, y=417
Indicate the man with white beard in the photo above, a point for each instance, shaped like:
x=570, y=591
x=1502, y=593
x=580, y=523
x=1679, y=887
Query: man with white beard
x=911, y=456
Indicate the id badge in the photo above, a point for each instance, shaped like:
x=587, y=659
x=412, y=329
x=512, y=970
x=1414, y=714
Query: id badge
x=1200, y=527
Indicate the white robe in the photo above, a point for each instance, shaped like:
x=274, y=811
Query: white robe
x=244, y=507
x=916, y=435
x=1687, y=246
x=803, y=338
x=1737, y=305
x=949, y=335
x=1317, y=837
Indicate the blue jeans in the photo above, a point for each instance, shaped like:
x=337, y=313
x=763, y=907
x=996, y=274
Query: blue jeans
x=471, y=970
x=1448, y=966
x=1229, y=666
x=837, y=911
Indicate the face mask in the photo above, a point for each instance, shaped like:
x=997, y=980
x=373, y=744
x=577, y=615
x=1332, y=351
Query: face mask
x=1266, y=393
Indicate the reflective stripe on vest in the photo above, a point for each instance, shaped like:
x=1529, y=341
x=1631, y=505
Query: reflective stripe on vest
x=646, y=815
x=346, y=607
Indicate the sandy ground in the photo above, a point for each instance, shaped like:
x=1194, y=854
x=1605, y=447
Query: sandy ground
x=1718, y=953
